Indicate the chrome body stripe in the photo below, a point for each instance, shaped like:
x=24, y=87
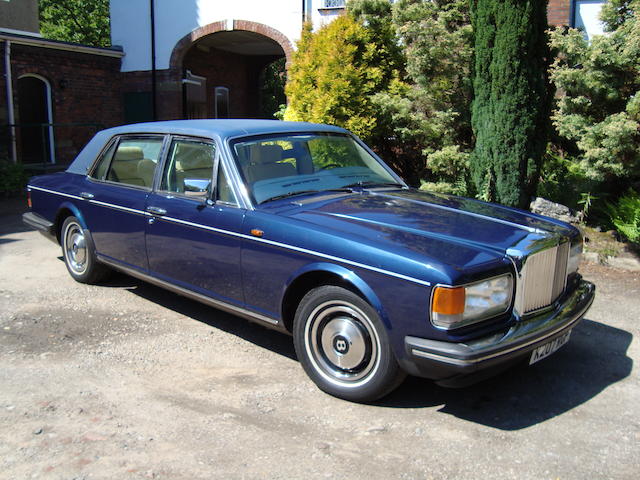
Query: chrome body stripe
x=75, y=197
x=298, y=249
x=251, y=238
x=119, y=207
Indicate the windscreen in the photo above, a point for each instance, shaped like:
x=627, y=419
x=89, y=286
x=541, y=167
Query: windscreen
x=278, y=166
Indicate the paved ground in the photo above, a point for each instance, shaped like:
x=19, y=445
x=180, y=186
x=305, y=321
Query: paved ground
x=126, y=380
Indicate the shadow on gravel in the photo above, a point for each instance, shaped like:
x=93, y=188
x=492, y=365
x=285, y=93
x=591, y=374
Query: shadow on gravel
x=595, y=358
x=11, y=210
x=275, y=341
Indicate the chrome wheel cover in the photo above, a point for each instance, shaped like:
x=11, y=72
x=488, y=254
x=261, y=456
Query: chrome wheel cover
x=342, y=343
x=75, y=248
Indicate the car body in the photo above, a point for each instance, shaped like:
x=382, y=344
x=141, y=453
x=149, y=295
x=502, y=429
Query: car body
x=302, y=228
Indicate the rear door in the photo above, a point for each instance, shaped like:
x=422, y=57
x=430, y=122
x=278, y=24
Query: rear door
x=117, y=190
x=192, y=235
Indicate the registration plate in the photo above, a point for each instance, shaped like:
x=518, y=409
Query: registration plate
x=547, y=349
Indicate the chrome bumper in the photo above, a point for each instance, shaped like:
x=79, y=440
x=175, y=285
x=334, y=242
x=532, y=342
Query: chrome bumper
x=451, y=363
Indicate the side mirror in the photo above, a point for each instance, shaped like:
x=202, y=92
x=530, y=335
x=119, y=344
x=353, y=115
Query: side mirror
x=197, y=187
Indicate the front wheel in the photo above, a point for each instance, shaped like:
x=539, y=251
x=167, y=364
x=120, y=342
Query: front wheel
x=343, y=345
x=79, y=255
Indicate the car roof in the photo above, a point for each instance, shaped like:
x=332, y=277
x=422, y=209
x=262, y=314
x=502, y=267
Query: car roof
x=214, y=129
x=222, y=128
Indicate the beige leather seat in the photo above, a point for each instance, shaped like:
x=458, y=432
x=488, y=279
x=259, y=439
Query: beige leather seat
x=193, y=162
x=265, y=162
x=146, y=169
x=124, y=167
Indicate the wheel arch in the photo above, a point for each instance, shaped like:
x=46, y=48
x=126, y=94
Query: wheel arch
x=67, y=209
x=319, y=274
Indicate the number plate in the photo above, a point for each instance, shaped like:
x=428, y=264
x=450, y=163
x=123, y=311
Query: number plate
x=547, y=349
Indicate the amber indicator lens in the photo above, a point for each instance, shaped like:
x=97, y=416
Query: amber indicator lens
x=257, y=233
x=449, y=301
x=29, y=199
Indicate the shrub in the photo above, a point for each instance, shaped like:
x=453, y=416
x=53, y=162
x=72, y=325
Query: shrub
x=13, y=177
x=625, y=215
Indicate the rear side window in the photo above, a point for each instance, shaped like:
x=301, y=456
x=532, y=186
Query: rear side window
x=132, y=162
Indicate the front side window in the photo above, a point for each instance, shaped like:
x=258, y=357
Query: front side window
x=131, y=161
x=278, y=166
x=189, y=168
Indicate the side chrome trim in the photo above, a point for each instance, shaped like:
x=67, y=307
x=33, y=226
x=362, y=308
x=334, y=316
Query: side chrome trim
x=75, y=197
x=119, y=207
x=191, y=294
x=297, y=249
x=249, y=237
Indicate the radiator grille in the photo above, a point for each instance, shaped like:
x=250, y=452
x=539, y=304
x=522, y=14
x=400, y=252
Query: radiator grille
x=542, y=279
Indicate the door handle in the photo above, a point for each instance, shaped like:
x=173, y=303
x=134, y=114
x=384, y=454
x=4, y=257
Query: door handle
x=156, y=210
x=87, y=195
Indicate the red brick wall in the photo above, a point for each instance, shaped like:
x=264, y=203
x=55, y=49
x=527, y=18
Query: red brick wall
x=85, y=88
x=559, y=12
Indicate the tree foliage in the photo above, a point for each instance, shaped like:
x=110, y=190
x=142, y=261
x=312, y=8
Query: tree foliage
x=598, y=110
x=79, y=21
x=334, y=74
x=510, y=106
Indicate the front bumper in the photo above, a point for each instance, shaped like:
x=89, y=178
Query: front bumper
x=460, y=364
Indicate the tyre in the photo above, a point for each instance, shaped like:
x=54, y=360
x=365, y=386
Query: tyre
x=79, y=253
x=343, y=345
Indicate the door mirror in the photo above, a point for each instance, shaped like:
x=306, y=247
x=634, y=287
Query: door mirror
x=197, y=187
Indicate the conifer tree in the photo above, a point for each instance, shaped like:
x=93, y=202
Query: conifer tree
x=511, y=106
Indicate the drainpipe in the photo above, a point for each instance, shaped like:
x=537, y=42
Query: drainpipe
x=10, y=112
x=154, y=92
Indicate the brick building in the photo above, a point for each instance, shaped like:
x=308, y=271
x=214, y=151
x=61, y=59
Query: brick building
x=58, y=93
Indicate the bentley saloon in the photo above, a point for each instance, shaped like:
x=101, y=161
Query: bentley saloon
x=302, y=228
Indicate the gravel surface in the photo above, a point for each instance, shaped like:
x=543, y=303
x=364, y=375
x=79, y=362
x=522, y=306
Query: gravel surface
x=126, y=380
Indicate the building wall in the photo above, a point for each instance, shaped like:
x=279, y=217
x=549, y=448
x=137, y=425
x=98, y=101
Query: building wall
x=130, y=24
x=21, y=15
x=85, y=88
x=559, y=12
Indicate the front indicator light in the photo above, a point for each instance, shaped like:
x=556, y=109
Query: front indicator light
x=453, y=307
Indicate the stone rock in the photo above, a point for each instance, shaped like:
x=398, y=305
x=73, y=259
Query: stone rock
x=545, y=207
x=591, y=257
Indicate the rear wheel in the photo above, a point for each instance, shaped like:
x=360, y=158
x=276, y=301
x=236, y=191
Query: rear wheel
x=343, y=345
x=79, y=254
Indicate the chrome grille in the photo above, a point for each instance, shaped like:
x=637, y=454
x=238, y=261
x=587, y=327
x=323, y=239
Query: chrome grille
x=542, y=279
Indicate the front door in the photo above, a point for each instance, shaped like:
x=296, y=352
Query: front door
x=191, y=236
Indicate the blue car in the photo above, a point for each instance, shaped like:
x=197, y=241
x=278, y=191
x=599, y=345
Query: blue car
x=302, y=228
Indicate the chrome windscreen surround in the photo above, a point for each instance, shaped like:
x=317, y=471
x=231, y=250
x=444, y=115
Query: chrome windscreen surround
x=542, y=278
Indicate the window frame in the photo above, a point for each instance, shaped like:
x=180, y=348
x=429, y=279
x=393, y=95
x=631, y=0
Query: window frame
x=115, y=141
x=217, y=160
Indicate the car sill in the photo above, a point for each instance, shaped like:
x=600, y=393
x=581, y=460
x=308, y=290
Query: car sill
x=249, y=315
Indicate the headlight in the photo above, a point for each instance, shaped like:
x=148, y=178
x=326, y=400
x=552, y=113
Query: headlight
x=575, y=255
x=453, y=307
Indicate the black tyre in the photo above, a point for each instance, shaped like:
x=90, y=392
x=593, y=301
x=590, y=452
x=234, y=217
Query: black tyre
x=79, y=254
x=343, y=345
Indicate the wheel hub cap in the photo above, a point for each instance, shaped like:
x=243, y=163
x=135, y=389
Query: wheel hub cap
x=344, y=343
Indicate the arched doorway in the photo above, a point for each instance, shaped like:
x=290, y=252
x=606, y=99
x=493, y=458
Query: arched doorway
x=225, y=71
x=35, y=112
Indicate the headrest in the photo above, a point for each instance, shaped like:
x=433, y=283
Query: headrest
x=266, y=153
x=129, y=153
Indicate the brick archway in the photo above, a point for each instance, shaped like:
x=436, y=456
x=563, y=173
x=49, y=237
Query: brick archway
x=186, y=42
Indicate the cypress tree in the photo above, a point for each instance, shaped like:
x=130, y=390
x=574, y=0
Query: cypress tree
x=510, y=111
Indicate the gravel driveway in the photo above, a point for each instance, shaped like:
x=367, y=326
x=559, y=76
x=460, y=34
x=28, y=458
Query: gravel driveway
x=126, y=380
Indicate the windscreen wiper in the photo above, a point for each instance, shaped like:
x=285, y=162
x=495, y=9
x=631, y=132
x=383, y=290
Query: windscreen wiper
x=306, y=192
x=371, y=183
